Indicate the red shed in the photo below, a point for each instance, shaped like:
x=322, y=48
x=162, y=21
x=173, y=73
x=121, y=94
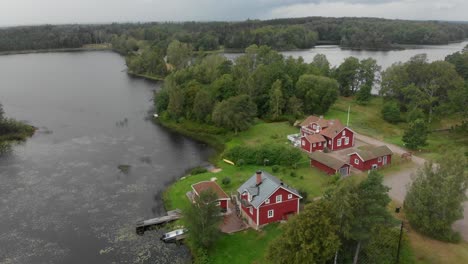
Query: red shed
x=329, y=164
x=223, y=198
x=311, y=143
x=265, y=199
x=372, y=158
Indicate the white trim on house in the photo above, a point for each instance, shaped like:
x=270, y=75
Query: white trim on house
x=280, y=196
x=272, y=213
x=300, y=197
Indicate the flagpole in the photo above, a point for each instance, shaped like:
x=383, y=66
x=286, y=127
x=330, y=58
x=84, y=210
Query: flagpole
x=349, y=108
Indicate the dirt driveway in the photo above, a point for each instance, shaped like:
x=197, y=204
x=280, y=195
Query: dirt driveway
x=398, y=181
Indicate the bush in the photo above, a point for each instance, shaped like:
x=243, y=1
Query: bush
x=293, y=174
x=198, y=170
x=391, y=112
x=414, y=115
x=275, y=168
x=226, y=181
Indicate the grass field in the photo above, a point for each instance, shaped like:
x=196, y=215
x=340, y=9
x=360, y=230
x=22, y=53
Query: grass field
x=367, y=120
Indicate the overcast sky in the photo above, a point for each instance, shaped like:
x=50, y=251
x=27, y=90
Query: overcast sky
x=20, y=12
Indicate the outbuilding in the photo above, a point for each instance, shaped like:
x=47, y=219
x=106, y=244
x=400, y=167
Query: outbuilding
x=222, y=199
x=371, y=158
x=329, y=164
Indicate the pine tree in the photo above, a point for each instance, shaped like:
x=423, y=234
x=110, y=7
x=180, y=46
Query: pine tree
x=416, y=134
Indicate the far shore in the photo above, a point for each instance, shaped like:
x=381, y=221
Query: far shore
x=85, y=48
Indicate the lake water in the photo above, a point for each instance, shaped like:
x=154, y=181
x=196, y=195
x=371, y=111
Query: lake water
x=63, y=198
x=336, y=55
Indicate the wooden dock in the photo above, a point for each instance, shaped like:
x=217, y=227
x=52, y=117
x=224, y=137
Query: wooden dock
x=173, y=215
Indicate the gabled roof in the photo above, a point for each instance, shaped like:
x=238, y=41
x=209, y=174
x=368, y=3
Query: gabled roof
x=373, y=152
x=327, y=160
x=333, y=130
x=209, y=185
x=315, y=138
x=265, y=189
x=318, y=120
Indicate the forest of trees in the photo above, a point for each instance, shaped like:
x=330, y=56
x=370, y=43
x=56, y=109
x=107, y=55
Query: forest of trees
x=289, y=33
x=259, y=84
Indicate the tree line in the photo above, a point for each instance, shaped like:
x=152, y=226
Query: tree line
x=259, y=84
x=289, y=33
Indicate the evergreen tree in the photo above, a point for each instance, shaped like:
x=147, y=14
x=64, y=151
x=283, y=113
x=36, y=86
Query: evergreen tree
x=415, y=135
x=391, y=112
x=435, y=198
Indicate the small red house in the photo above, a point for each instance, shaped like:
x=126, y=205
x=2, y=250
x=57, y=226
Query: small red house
x=265, y=199
x=372, y=158
x=336, y=135
x=314, y=142
x=329, y=164
x=223, y=198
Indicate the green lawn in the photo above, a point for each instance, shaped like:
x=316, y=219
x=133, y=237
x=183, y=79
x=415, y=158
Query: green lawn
x=244, y=247
x=367, y=120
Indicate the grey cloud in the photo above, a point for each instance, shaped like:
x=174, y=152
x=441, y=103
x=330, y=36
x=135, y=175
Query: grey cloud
x=89, y=11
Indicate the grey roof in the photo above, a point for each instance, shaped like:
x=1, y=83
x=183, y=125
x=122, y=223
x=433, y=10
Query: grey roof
x=265, y=189
x=327, y=160
x=373, y=152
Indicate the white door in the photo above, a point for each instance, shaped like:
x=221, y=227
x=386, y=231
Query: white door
x=384, y=162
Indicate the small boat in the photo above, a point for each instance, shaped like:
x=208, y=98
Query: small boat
x=155, y=115
x=174, y=236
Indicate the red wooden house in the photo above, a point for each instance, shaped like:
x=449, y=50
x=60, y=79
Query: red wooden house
x=223, y=198
x=329, y=164
x=314, y=142
x=372, y=158
x=318, y=133
x=265, y=199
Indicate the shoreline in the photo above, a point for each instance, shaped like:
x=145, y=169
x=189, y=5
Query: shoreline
x=17, y=52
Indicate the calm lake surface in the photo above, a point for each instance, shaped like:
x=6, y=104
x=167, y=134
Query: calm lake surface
x=336, y=55
x=62, y=197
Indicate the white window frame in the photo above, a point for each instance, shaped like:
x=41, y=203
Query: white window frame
x=375, y=166
x=267, y=201
x=320, y=144
x=344, y=133
x=271, y=213
x=346, y=140
x=314, y=145
x=290, y=196
x=313, y=126
x=303, y=142
x=251, y=210
x=279, y=198
x=380, y=159
x=338, y=142
x=356, y=161
x=218, y=203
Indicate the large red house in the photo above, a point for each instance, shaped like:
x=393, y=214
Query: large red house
x=372, y=158
x=329, y=164
x=265, y=199
x=223, y=198
x=318, y=133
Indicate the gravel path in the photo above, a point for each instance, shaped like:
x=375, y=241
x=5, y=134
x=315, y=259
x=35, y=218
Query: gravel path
x=398, y=181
